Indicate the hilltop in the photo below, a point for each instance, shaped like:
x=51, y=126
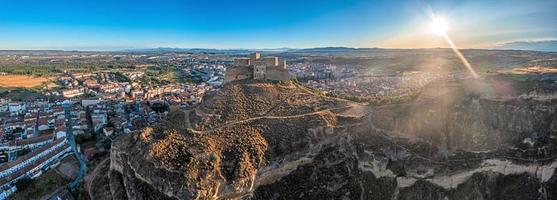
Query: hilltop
x=256, y=140
x=221, y=148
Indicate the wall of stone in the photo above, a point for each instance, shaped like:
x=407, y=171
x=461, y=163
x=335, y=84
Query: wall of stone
x=277, y=74
x=258, y=68
x=271, y=61
x=242, y=62
x=259, y=72
x=237, y=73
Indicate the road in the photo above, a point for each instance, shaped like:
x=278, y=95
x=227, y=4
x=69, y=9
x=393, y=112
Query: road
x=71, y=140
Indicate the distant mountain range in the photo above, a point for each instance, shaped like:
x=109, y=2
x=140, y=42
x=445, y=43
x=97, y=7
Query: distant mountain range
x=530, y=46
x=268, y=50
x=334, y=49
x=208, y=50
x=546, y=45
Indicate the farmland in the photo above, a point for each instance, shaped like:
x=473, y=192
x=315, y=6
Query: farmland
x=22, y=81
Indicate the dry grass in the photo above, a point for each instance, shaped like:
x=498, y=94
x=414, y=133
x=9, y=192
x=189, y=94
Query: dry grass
x=528, y=70
x=21, y=81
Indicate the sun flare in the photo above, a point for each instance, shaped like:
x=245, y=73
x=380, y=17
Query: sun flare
x=439, y=26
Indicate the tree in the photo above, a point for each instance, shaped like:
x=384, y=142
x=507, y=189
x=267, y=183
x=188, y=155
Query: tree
x=82, y=138
x=23, y=183
x=23, y=151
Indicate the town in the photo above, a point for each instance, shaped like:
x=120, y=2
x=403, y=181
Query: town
x=273, y=100
x=62, y=126
x=84, y=112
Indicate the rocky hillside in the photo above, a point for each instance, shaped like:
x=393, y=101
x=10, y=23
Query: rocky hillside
x=455, y=116
x=269, y=141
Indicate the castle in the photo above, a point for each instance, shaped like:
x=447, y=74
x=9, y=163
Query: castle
x=257, y=68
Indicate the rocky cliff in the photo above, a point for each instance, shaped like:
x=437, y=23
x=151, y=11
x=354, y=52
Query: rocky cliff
x=269, y=141
x=455, y=117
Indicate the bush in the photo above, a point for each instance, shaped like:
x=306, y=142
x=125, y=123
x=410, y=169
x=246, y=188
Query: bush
x=23, y=151
x=82, y=138
x=23, y=183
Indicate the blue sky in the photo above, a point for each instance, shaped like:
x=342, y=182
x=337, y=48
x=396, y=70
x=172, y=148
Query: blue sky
x=122, y=24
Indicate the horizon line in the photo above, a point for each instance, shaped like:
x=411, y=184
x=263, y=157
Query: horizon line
x=264, y=49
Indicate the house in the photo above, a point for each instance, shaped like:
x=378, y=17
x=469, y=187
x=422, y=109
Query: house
x=69, y=93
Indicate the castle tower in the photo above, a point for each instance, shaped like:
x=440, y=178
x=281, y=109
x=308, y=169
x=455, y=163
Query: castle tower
x=255, y=56
x=259, y=72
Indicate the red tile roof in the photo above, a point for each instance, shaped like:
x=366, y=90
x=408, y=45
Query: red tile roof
x=31, y=166
x=32, y=140
x=5, y=166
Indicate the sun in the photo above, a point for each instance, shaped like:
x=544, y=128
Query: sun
x=439, y=26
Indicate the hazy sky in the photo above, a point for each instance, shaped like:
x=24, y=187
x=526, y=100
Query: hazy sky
x=121, y=24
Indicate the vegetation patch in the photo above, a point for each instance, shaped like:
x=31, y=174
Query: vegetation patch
x=40, y=187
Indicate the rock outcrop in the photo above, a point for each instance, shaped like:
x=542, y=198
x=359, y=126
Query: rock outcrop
x=268, y=141
x=456, y=118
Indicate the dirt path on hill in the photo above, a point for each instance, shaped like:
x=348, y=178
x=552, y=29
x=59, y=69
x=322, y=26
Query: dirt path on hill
x=228, y=124
x=187, y=118
x=91, y=176
x=301, y=87
x=353, y=110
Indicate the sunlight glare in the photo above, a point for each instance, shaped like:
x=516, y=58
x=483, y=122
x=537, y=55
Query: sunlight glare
x=439, y=26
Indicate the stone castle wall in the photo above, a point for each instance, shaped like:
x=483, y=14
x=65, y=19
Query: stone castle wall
x=277, y=74
x=238, y=73
x=259, y=72
x=258, y=68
